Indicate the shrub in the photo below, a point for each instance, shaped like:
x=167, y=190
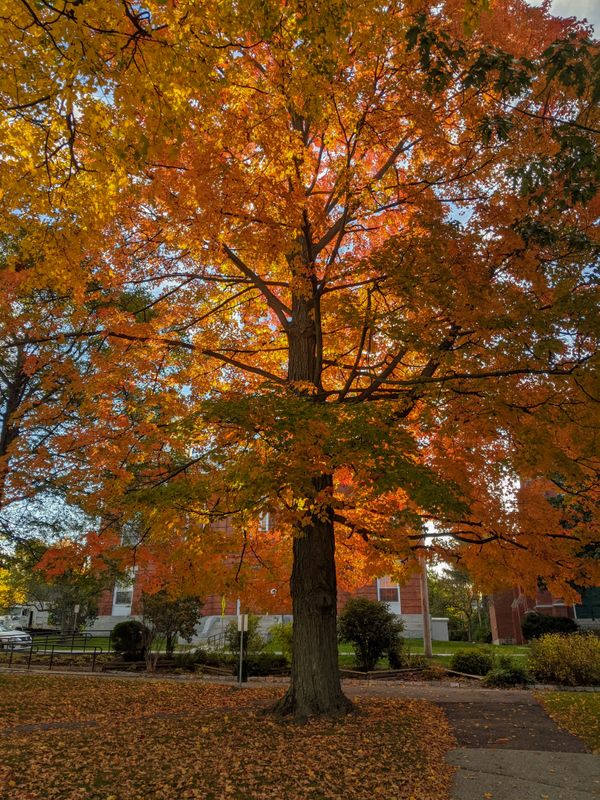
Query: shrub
x=281, y=636
x=472, y=662
x=434, y=672
x=418, y=662
x=535, y=625
x=211, y=659
x=572, y=660
x=397, y=655
x=371, y=627
x=508, y=672
x=127, y=638
x=186, y=660
x=265, y=664
x=253, y=641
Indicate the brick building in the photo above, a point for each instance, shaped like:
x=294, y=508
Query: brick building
x=123, y=602
x=507, y=609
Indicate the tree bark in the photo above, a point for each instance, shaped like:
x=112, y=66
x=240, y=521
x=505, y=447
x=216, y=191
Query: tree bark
x=315, y=688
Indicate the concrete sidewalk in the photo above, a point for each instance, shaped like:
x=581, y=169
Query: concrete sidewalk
x=514, y=751
x=509, y=748
x=524, y=775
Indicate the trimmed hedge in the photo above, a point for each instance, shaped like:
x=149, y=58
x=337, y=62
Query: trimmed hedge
x=266, y=663
x=255, y=663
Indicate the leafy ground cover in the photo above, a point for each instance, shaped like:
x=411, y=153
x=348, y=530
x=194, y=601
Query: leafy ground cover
x=577, y=712
x=76, y=738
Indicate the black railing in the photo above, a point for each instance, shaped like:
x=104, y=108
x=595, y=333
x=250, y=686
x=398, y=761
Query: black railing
x=217, y=641
x=49, y=651
x=68, y=642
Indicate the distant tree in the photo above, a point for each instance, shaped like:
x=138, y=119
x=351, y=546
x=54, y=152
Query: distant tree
x=51, y=579
x=253, y=641
x=282, y=634
x=452, y=594
x=371, y=627
x=168, y=618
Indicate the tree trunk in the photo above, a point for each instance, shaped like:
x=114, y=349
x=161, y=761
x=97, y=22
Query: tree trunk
x=315, y=687
x=170, y=644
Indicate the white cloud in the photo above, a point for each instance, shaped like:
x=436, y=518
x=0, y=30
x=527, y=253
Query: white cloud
x=583, y=9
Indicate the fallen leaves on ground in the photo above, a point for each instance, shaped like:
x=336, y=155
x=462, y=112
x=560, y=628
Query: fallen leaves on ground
x=577, y=712
x=167, y=741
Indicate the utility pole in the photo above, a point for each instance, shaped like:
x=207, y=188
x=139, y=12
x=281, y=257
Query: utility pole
x=427, y=647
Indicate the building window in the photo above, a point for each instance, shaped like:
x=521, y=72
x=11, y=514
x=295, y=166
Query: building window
x=388, y=591
x=123, y=596
x=264, y=522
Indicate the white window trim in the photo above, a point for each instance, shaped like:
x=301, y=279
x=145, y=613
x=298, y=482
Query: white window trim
x=123, y=609
x=390, y=602
x=264, y=522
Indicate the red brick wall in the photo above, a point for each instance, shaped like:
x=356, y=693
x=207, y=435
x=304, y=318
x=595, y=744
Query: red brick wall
x=212, y=606
x=410, y=596
x=507, y=609
x=105, y=603
x=369, y=591
x=505, y=619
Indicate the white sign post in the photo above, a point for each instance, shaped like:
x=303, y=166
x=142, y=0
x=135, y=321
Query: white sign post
x=242, y=628
x=76, y=610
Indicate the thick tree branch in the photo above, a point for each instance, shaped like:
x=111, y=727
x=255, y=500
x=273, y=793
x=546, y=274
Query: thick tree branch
x=281, y=310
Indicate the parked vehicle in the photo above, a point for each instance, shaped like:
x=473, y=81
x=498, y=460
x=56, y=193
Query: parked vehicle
x=28, y=617
x=11, y=639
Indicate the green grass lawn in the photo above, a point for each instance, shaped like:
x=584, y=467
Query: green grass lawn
x=416, y=646
x=76, y=738
x=442, y=651
x=577, y=712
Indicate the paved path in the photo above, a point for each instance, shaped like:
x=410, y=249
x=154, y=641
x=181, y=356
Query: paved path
x=509, y=748
x=524, y=775
x=514, y=751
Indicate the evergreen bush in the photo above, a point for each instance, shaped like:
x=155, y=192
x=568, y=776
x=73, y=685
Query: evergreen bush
x=371, y=627
x=127, y=638
x=535, y=625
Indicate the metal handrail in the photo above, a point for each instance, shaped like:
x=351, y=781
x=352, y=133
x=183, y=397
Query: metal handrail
x=216, y=641
x=33, y=649
x=63, y=640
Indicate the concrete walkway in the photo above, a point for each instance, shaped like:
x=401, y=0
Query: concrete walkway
x=524, y=775
x=509, y=748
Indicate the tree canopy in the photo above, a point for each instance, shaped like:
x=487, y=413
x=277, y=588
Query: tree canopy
x=337, y=262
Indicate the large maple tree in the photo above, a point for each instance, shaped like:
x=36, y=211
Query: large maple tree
x=358, y=254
